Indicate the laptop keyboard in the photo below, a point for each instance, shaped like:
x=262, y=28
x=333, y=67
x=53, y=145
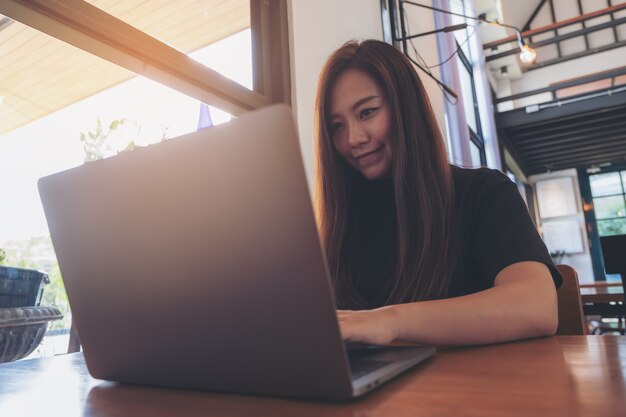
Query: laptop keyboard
x=360, y=367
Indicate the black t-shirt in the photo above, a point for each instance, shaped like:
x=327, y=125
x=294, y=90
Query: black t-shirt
x=494, y=230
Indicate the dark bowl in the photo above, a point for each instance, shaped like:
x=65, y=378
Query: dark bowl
x=22, y=329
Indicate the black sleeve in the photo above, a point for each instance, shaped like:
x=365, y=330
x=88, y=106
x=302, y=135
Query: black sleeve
x=505, y=233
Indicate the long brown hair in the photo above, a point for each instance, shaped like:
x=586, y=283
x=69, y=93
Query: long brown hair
x=423, y=188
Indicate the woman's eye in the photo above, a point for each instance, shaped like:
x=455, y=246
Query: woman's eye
x=335, y=126
x=367, y=112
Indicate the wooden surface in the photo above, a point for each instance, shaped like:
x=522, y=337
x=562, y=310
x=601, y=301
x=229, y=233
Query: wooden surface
x=598, y=284
x=557, y=376
x=602, y=294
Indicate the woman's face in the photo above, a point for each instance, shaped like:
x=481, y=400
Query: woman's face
x=359, y=123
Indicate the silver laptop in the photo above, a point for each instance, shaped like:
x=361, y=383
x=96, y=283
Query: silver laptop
x=195, y=263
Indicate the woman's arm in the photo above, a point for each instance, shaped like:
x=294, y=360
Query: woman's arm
x=522, y=304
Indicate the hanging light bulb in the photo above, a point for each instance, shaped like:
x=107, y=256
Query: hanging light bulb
x=527, y=55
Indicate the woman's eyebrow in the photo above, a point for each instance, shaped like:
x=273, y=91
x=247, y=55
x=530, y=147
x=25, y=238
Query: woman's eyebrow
x=357, y=104
x=362, y=101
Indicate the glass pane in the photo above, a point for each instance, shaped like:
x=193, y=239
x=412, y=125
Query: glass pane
x=52, y=94
x=457, y=6
x=605, y=184
x=609, y=207
x=468, y=96
x=611, y=227
x=475, y=152
x=191, y=25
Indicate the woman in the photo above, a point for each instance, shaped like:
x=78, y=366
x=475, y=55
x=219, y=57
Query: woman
x=420, y=251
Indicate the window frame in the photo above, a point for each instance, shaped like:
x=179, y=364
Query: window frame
x=476, y=137
x=93, y=30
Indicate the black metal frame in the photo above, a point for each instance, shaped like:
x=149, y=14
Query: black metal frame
x=557, y=39
x=560, y=38
x=584, y=25
x=610, y=4
x=533, y=16
x=475, y=137
x=590, y=123
x=391, y=12
x=559, y=86
x=388, y=13
x=556, y=31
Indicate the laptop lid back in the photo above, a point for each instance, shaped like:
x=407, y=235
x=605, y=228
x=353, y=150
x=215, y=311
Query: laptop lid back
x=196, y=263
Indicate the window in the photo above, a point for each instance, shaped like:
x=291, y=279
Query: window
x=475, y=152
x=467, y=91
x=604, y=204
x=607, y=191
x=468, y=86
x=121, y=71
x=459, y=7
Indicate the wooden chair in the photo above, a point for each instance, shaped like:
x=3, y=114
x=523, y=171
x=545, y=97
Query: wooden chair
x=571, y=318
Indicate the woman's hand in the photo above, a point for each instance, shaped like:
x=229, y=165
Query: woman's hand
x=372, y=327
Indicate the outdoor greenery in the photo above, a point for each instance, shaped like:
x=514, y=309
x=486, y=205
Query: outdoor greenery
x=611, y=227
x=609, y=207
x=121, y=135
x=3, y=256
x=102, y=142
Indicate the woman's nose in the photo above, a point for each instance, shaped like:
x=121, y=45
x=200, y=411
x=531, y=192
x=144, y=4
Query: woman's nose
x=357, y=136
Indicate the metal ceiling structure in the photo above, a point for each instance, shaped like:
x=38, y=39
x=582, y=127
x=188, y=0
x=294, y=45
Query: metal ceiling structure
x=583, y=125
x=584, y=132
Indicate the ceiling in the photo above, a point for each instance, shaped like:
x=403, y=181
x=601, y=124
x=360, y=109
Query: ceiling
x=40, y=74
x=582, y=134
x=584, y=125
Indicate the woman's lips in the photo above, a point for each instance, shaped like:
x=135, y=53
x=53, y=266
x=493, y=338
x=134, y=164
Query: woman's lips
x=369, y=158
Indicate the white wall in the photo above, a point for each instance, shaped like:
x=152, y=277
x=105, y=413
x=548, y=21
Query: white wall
x=579, y=261
x=516, y=13
x=317, y=28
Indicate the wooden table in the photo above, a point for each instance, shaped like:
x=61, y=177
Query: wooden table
x=557, y=376
x=602, y=294
x=597, y=299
